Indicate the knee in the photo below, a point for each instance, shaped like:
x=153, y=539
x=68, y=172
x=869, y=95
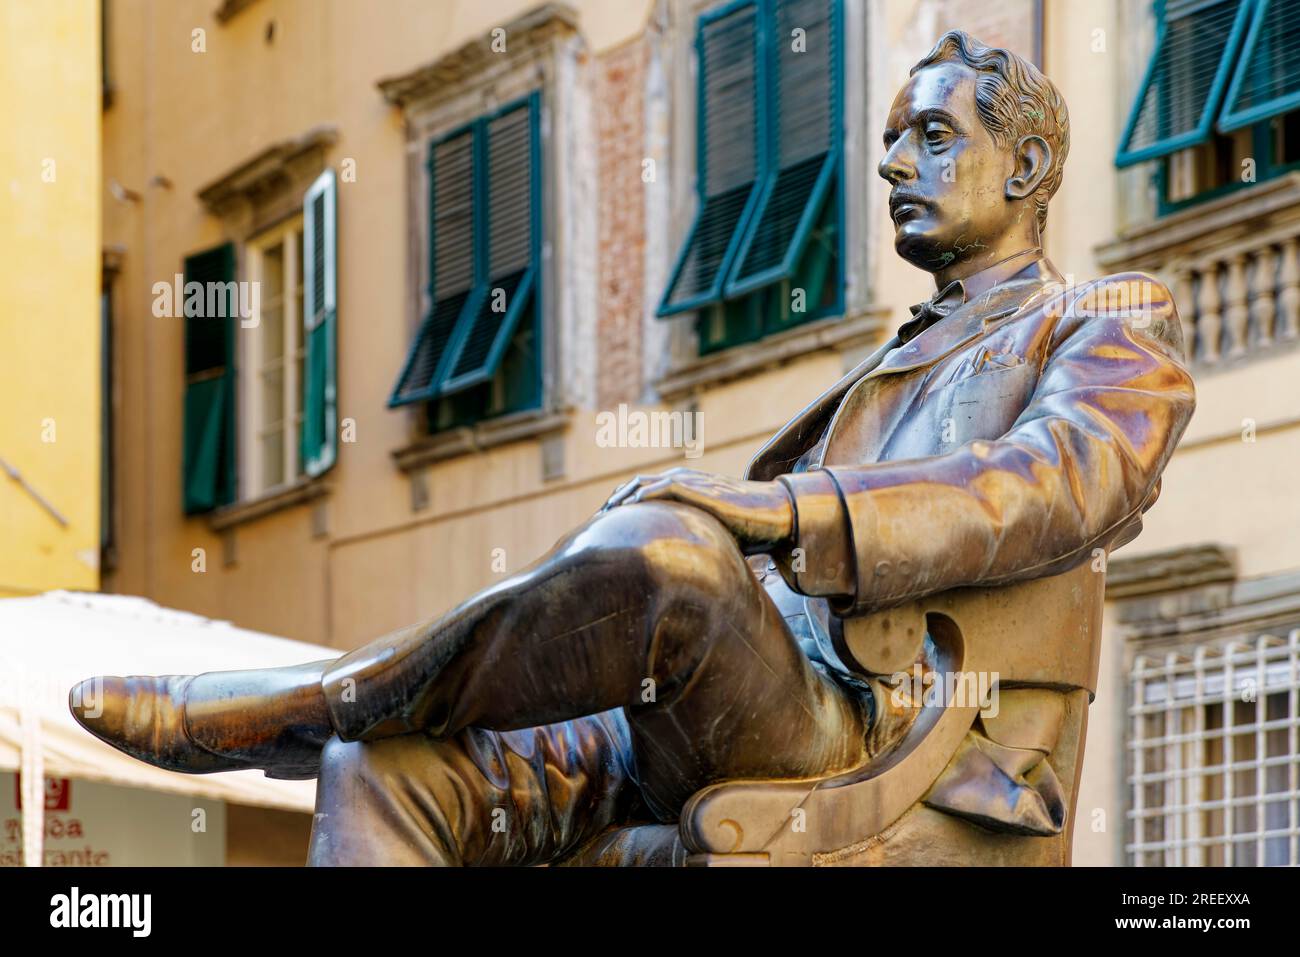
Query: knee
x=343, y=762
x=671, y=542
x=360, y=766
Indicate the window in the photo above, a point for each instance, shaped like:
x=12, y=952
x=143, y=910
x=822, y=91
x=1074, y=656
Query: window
x=273, y=363
x=1214, y=757
x=209, y=417
x=1222, y=89
x=477, y=353
x=765, y=250
x=1267, y=80
x=287, y=407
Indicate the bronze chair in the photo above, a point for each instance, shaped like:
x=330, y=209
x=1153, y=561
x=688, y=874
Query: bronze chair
x=927, y=799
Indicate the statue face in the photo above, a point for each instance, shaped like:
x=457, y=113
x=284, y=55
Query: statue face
x=949, y=197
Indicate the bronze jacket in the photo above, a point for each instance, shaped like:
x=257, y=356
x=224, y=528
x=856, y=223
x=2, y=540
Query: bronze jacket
x=999, y=449
x=1005, y=442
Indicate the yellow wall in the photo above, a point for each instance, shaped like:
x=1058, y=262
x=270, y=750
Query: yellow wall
x=181, y=119
x=49, y=293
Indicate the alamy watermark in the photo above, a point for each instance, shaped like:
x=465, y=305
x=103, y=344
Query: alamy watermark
x=954, y=689
x=627, y=428
x=209, y=300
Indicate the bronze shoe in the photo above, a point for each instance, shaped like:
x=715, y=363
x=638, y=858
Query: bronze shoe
x=272, y=718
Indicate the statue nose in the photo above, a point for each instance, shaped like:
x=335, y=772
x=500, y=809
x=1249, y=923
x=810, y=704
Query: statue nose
x=894, y=171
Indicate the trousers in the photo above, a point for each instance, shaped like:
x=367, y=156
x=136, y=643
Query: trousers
x=638, y=661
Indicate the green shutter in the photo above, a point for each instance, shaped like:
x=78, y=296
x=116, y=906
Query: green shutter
x=804, y=136
x=730, y=129
x=484, y=241
x=511, y=168
x=1267, y=80
x=208, y=469
x=319, y=326
x=1196, y=47
x=451, y=264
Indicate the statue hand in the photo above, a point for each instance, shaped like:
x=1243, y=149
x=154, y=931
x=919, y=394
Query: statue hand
x=759, y=515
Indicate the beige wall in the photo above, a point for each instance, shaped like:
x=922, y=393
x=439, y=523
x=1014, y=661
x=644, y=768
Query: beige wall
x=190, y=117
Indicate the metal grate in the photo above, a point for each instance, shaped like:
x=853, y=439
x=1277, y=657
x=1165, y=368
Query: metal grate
x=1214, y=755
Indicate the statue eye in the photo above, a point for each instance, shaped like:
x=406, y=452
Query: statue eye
x=937, y=134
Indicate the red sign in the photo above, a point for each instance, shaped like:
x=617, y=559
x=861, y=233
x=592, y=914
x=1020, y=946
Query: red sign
x=58, y=793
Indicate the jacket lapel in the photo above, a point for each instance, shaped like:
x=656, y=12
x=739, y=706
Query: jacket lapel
x=797, y=435
x=965, y=323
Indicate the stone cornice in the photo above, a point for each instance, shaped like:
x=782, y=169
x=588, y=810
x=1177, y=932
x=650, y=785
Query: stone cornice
x=713, y=370
x=1224, y=219
x=267, y=171
x=240, y=513
x=1167, y=571
x=528, y=32
x=488, y=434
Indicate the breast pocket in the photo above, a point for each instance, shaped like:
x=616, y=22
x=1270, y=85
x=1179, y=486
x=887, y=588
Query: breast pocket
x=985, y=404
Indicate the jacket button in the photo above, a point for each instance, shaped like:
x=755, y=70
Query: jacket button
x=882, y=569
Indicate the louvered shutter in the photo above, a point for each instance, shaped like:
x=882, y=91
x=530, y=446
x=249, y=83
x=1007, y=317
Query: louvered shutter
x=1267, y=79
x=208, y=448
x=451, y=265
x=320, y=338
x=729, y=163
x=511, y=168
x=1196, y=47
x=804, y=136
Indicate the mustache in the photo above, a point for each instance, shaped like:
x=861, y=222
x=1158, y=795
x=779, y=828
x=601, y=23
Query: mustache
x=898, y=197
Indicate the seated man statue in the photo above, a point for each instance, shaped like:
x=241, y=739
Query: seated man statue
x=1015, y=428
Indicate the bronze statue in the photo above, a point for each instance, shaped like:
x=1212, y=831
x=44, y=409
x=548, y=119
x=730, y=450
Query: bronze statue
x=721, y=671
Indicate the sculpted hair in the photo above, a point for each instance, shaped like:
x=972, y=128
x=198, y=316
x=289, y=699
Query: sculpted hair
x=1014, y=99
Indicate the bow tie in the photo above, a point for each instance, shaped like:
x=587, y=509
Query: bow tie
x=926, y=314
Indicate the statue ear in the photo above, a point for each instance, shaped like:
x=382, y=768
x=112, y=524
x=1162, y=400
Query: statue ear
x=1033, y=158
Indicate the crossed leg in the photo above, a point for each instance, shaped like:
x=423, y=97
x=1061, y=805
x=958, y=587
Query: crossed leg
x=636, y=663
x=481, y=798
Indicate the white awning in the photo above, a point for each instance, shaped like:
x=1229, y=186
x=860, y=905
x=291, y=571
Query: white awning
x=50, y=642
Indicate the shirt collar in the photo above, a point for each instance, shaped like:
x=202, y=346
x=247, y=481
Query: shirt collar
x=959, y=291
x=981, y=282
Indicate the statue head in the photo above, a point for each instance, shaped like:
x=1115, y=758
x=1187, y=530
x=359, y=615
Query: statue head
x=975, y=145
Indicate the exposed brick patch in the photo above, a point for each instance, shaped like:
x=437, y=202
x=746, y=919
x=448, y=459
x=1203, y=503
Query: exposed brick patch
x=620, y=122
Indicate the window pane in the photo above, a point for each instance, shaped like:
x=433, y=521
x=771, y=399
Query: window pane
x=272, y=396
x=272, y=332
x=272, y=273
x=273, y=458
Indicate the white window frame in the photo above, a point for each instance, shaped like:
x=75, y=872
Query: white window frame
x=288, y=235
x=1175, y=689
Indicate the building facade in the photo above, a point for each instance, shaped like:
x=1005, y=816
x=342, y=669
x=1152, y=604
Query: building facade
x=50, y=317
x=474, y=264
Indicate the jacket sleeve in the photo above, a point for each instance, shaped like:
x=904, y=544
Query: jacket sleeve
x=1075, y=470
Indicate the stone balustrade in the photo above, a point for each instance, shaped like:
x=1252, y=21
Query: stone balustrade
x=1233, y=265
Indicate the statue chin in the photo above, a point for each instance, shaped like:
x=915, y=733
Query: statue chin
x=921, y=249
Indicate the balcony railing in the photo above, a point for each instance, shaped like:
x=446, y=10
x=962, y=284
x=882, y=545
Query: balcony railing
x=1233, y=265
